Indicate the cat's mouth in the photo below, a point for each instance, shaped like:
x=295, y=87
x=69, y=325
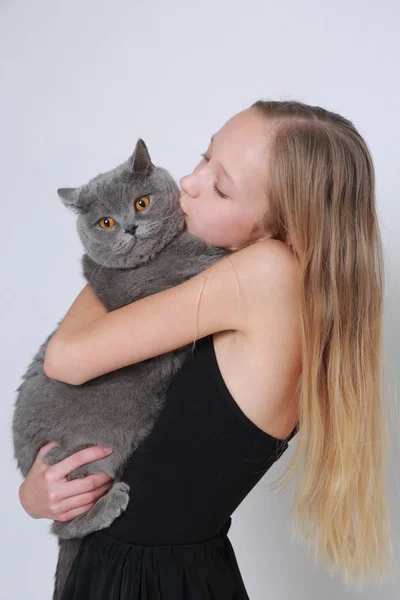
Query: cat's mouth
x=128, y=248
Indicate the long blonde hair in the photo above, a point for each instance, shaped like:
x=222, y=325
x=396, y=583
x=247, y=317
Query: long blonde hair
x=321, y=201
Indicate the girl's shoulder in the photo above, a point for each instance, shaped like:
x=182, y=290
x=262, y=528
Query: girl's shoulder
x=261, y=364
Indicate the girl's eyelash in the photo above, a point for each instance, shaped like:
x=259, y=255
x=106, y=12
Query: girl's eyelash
x=218, y=192
x=203, y=154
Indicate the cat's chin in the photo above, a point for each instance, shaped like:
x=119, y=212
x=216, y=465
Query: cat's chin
x=131, y=246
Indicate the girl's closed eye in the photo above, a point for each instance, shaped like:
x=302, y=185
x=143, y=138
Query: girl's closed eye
x=203, y=154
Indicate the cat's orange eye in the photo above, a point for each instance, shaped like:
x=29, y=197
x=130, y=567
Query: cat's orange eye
x=142, y=203
x=107, y=223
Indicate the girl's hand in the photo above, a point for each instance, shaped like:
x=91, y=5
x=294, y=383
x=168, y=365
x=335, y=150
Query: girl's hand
x=46, y=493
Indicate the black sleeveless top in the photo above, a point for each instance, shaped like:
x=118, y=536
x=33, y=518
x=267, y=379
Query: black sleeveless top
x=200, y=460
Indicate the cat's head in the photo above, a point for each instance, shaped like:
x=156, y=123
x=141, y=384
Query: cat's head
x=127, y=215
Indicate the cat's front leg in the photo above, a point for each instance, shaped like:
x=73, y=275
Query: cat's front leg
x=101, y=515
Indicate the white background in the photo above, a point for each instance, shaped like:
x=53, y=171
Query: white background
x=81, y=81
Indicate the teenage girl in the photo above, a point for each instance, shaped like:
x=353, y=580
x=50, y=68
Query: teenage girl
x=287, y=328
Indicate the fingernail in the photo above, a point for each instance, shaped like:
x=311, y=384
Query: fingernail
x=106, y=449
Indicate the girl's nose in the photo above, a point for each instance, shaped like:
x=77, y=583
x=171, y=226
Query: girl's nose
x=188, y=185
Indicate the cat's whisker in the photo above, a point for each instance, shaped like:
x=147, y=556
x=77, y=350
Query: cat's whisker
x=98, y=270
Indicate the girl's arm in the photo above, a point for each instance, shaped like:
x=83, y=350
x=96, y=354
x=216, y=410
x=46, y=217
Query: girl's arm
x=86, y=309
x=91, y=341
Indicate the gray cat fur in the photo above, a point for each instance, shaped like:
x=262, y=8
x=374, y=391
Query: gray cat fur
x=145, y=252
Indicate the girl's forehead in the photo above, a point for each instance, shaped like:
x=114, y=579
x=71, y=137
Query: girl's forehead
x=246, y=125
x=245, y=135
x=245, y=157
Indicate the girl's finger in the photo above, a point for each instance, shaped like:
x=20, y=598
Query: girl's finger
x=76, y=502
x=76, y=460
x=46, y=447
x=79, y=486
x=75, y=512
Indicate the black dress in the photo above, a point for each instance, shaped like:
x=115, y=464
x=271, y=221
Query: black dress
x=201, y=459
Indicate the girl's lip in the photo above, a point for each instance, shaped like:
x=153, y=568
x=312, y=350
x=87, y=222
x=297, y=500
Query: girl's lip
x=182, y=208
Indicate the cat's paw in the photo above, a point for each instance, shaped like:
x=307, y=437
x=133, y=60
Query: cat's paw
x=120, y=495
x=101, y=515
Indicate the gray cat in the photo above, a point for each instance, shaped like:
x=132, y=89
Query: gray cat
x=133, y=230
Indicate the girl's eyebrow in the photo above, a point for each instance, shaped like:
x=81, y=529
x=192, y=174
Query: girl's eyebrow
x=222, y=166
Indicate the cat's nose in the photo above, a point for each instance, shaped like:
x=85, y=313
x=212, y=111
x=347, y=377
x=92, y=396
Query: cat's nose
x=131, y=229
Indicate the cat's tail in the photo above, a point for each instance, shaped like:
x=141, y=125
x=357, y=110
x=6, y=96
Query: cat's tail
x=68, y=549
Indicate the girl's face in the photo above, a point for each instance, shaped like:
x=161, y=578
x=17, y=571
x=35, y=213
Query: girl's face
x=234, y=165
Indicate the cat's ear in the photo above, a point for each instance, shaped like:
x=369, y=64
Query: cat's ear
x=140, y=161
x=71, y=198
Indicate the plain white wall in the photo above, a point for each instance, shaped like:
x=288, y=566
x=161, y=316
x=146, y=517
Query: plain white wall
x=81, y=81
